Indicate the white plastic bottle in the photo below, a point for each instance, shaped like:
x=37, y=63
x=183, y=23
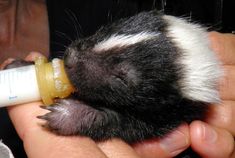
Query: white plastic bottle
x=42, y=81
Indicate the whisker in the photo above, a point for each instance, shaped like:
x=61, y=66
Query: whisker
x=61, y=34
x=215, y=27
x=59, y=44
x=59, y=54
x=110, y=17
x=75, y=22
x=159, y=5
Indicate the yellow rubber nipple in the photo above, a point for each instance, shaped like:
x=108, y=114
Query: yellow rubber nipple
x=52, y=80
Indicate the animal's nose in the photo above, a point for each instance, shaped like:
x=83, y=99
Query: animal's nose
x=70, y=57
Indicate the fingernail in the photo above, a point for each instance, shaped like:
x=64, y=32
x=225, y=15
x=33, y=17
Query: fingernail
x=33, y=56
x=209, y=135
x=6, y=62
x=174, y=143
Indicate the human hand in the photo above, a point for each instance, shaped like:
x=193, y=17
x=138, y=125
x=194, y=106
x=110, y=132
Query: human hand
x=221, y=119
x=25, y=31
x=215, y=137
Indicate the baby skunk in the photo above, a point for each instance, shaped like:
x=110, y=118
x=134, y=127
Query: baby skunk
x=137, y=78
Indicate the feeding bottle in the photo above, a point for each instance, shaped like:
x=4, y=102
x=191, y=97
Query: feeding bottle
x=41, y=81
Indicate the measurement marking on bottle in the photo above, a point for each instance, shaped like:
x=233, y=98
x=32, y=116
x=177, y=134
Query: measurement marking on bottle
x=12, y=97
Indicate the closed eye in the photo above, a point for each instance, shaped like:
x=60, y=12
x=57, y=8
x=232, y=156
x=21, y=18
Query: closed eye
x=121, y=79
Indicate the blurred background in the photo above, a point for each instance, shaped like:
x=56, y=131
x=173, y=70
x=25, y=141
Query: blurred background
x=90, y=15
x=219, y=14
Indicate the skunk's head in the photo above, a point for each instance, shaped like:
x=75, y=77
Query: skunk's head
x=146, y=59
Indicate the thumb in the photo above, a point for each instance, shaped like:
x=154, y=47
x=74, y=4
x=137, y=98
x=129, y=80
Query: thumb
x=211, y=142
x=169, y=146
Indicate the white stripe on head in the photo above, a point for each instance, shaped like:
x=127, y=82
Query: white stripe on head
x=116, y=41
x=201, y=68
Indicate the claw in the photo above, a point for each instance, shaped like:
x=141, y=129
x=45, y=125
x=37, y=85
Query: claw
x=45, y=126
x=43, y=117
x=62, y=115
x=43, y=107
x=49, y=108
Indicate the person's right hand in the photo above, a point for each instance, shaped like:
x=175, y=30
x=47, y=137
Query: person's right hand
x=215, y=137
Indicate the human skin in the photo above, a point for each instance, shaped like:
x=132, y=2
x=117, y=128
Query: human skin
x=28, y=31
x=23, y=28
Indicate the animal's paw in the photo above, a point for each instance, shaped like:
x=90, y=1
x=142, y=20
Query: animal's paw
x=70, y=117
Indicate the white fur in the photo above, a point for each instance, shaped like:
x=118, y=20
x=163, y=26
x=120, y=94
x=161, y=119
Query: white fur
x=201, y=67
x=116, y=41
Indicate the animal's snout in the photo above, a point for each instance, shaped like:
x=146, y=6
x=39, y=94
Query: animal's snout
x=70, y=58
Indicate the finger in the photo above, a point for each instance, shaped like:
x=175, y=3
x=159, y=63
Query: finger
x=222, y=116
x=30, y=57
x=211, y=142
x=169, y=146
x=224, y=46
x=227, y=86
x=116, y=148
x=6, y=62
x=33, y=55
x=38, y=142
